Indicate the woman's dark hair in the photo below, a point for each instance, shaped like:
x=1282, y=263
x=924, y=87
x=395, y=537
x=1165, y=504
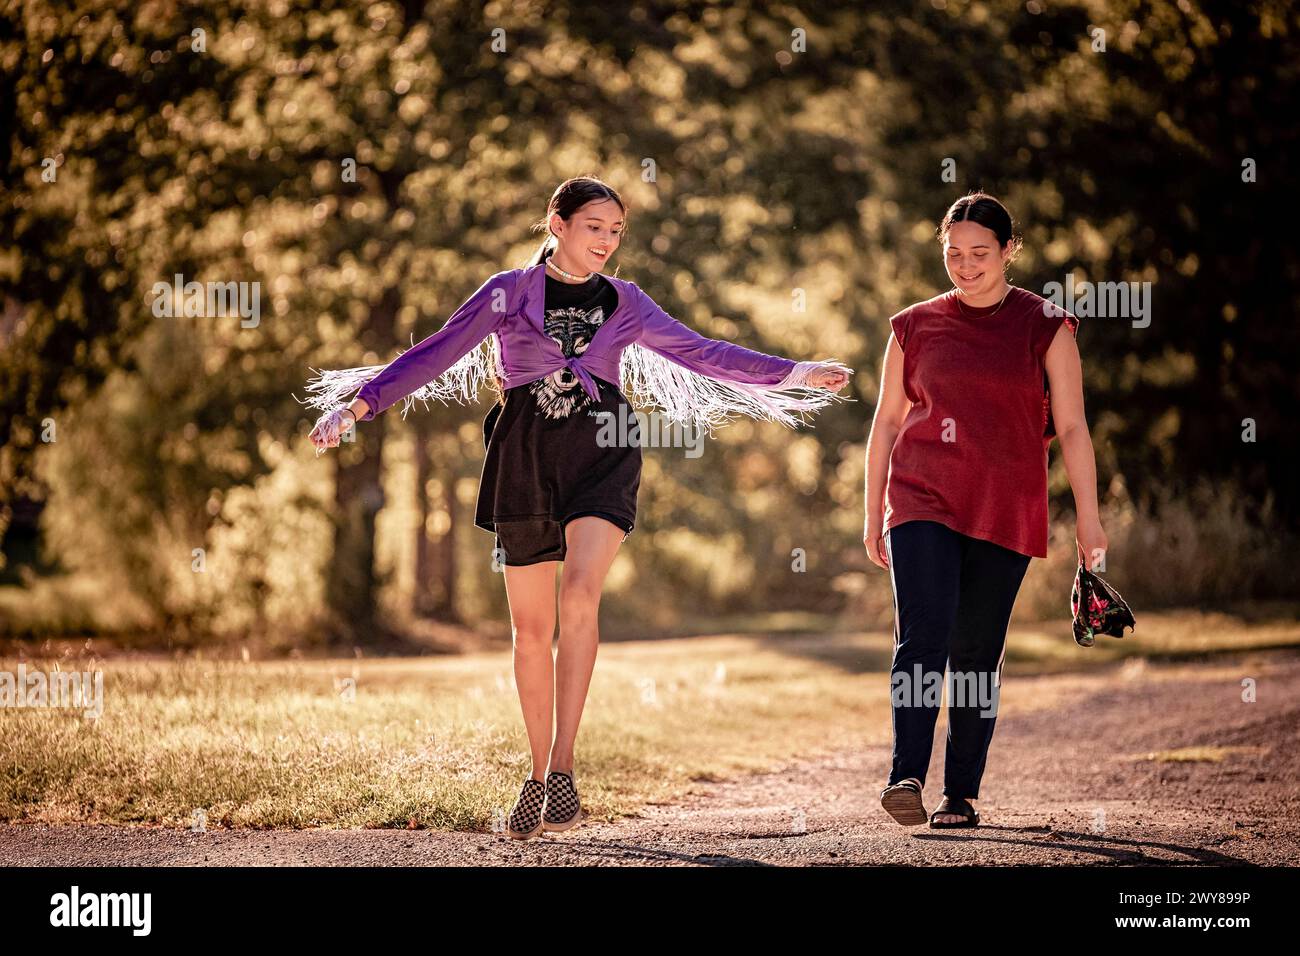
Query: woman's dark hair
x=570, y=196
x=987, y=211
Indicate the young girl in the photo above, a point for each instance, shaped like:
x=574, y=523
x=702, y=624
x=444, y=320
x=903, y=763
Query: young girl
x=561, y=339
x=976, y=382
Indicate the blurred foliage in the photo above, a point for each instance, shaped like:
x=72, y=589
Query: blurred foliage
x=209, y=140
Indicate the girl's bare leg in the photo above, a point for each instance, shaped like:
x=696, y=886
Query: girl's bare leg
x=531, y=592
x=591, y=543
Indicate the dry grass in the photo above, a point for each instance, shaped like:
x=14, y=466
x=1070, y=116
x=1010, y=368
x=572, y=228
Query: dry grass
x=435, y=741
x=1196, y=754
x=438, y=742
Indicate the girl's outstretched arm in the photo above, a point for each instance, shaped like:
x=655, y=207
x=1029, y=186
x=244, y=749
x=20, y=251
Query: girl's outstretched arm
x=477, y=317
x=666, y=336
x=438, y=367
x=702, y=382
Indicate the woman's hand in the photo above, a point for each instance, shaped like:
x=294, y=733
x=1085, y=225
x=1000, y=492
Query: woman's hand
x=331, y=427
x=1091, y=542
x=874, y=541
x=831, y=376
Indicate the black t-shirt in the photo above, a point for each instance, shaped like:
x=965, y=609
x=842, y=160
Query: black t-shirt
x=573, y=313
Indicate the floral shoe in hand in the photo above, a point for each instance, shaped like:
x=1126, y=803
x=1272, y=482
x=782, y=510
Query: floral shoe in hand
x=1097, y=608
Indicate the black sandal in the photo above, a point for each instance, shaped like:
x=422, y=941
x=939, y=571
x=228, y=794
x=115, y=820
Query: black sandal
x=957, y=807
x=902, y=801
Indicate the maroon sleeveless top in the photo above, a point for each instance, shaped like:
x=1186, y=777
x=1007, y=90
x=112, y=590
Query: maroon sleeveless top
x=972, y=451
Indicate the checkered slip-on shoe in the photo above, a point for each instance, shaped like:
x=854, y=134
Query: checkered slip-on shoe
x=525, y=820
x=563, y=808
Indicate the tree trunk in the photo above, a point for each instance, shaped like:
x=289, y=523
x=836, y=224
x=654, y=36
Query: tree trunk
x=435, y=554
x=447, y=607
x=359, y=496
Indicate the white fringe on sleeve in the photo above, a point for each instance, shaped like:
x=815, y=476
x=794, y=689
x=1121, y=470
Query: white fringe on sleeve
x=461, y=382
x=696, y=400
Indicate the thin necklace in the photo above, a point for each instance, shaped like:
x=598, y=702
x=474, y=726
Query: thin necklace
x=991, y=314
x=550, y=261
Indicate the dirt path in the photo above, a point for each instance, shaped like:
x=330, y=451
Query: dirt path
x=1067, y=784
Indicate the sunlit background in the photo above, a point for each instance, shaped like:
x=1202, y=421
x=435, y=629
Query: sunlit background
x=368, y=165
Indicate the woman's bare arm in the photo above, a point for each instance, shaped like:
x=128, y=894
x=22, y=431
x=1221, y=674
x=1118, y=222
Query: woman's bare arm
x=1065, y=378
x=891, y=408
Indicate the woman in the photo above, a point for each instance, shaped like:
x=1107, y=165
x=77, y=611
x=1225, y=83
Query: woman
x=976, y=382
x=560, y=338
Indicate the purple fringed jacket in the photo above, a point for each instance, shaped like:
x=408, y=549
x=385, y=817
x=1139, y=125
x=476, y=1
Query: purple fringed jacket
x=691, y=377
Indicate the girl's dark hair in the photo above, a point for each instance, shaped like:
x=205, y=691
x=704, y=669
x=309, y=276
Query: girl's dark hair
x=570, y=196
x=987, y=211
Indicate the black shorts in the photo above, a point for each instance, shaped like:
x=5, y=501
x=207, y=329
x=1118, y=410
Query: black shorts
x=541, y=471
x=534, y=540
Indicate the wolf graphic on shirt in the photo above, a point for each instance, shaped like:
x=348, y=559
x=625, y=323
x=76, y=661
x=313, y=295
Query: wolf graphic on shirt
x=560, y=394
